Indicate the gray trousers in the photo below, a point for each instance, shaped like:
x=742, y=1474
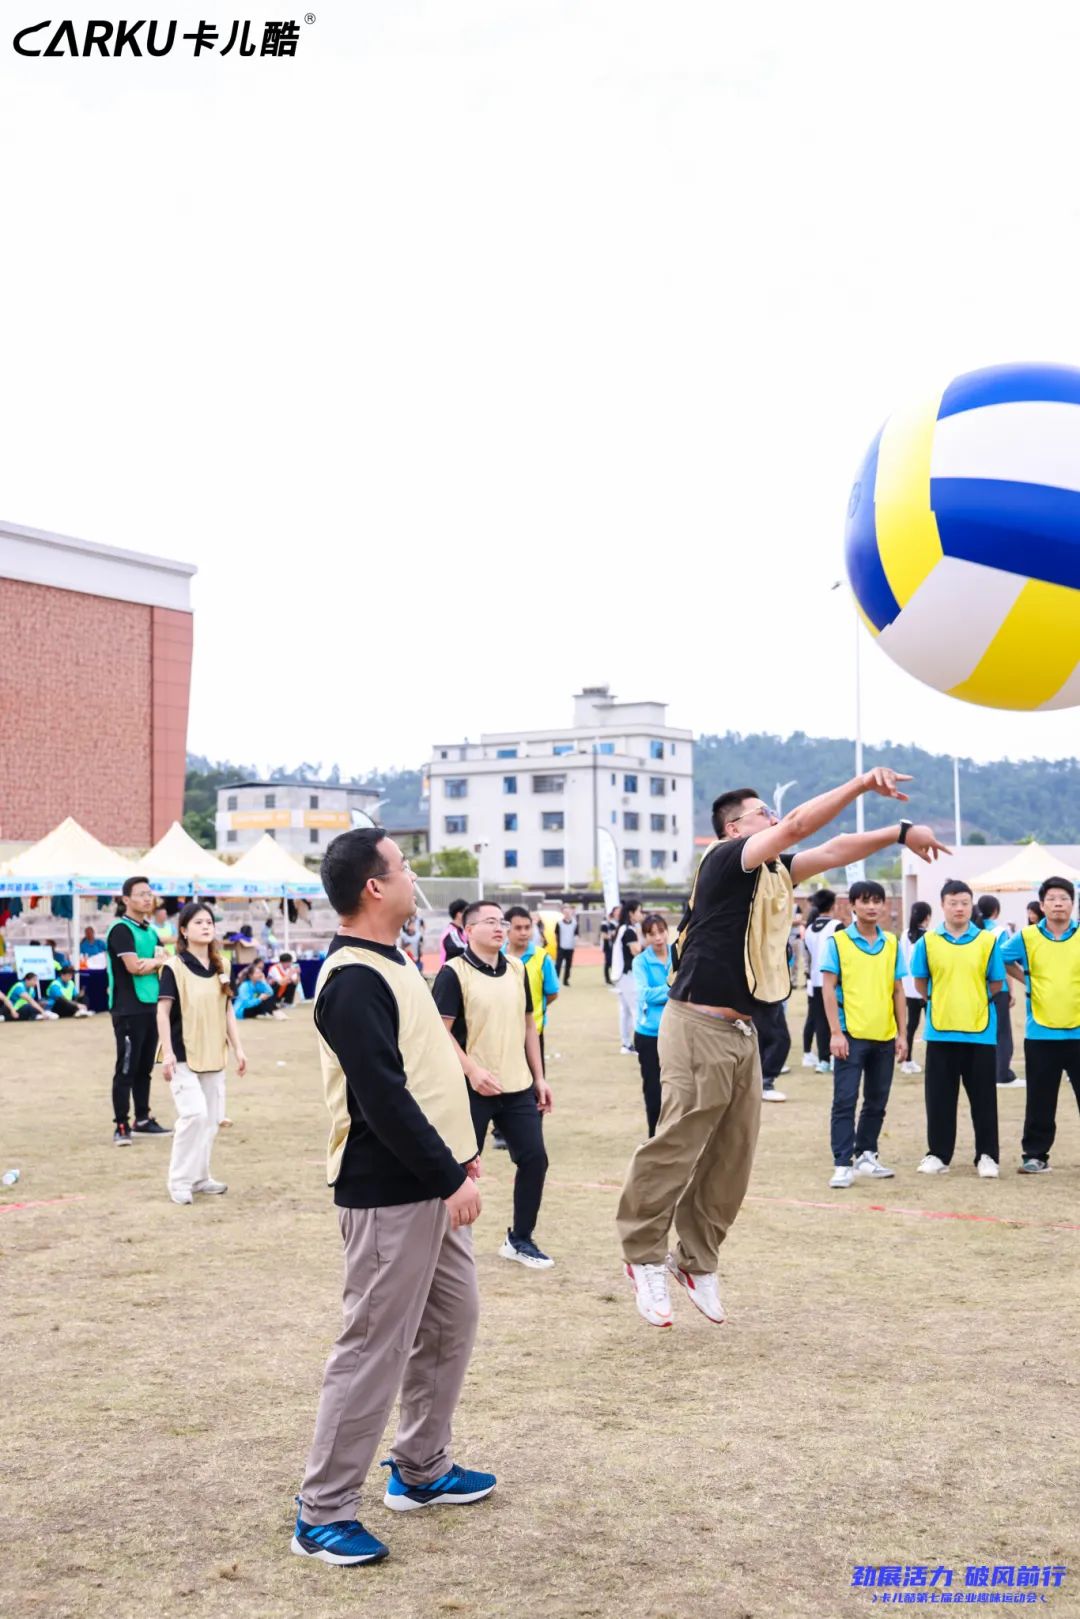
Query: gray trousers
x=410, y=1311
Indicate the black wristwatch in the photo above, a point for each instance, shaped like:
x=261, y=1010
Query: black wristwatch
x=905, y=828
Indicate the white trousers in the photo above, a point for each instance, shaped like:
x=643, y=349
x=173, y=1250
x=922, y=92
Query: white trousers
x=627, y=987
x=199, y=1100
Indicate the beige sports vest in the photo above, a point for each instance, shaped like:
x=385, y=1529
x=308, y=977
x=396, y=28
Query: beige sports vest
x=765, y=949
x=203, y=1009
x=495, y=1020
x=432, y=1070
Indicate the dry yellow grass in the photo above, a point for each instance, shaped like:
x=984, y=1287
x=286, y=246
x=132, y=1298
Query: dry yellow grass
x=889, y=1387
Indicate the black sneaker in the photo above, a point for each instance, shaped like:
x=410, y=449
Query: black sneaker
x=122, y=1135
x=525, y=1251
x=148, y=1127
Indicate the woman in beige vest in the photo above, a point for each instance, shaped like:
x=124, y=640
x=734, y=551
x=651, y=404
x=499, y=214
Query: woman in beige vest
x=195, y=1024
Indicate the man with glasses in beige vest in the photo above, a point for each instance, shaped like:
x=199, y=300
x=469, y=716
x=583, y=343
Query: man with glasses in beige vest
x=731, y=959
x=402, y=1162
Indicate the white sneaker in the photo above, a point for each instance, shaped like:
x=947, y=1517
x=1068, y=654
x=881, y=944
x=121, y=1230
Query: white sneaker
x=823, y=1067
x=627, y=1051
x=769, y=1093
x=987, y=1168
x=651, y=1293
x=279, y=1016
x=786, y=1070
x=868, y=1163
x=842, y=1175
x=211, y=1187
x=703, y=1291
x=809, y=1060
x=911, y=1067
x=1016, y=1084
x=932, y=1166
x=181, y=1197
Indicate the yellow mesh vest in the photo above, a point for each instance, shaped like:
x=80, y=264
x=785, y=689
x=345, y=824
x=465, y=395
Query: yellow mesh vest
x=867, y=982
x=432, y=1070
x=203, y=1005
x=534, y=972
x=959, y=999
x=495, y=1020
x=1054, y=973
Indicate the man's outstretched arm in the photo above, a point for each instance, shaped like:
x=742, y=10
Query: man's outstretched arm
x=847, y=847
x=806, y=819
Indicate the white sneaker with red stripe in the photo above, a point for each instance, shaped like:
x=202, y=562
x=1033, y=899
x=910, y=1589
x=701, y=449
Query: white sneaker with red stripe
x=703, y=1291
x=651, y=1293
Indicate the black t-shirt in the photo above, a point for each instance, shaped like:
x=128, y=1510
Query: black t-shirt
x=629, y=937
x=125, y=1002
x=712, y=966
x=167, y=990
x=393, y=1153
x=450, y=1001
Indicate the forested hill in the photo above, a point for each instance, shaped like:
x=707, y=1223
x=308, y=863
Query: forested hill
x=1002, y=802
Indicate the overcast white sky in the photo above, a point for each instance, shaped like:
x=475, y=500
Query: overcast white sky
x=490, y=347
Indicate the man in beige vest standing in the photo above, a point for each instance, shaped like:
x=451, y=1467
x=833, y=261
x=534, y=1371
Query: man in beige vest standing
x=401, y=1160
x=732, y=954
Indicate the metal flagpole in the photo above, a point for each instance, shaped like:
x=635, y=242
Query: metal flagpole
x=956, y=801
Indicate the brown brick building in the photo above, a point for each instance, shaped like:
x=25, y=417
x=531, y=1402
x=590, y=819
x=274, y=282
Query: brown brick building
x=95, y=670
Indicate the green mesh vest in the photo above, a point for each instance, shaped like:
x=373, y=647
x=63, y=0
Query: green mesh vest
x=146, y=943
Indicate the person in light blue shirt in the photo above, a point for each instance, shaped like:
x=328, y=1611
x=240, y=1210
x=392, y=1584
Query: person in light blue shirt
x=255, y=996
x=651, y=969
x=958, y=969
x=1045, y=956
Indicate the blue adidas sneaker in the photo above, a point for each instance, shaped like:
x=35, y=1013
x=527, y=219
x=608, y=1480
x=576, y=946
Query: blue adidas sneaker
x=345, y=1542
x=456, y=1488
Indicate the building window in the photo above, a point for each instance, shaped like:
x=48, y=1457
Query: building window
x=230, y=802
x=509, y=784
x=313, y=801
x=614, y=818
x=657, y=823
x=658, y=859
x=548, y=784
x=605, y=747
x=271, y=801
x=629, y=784
x=674, y=823
x=630, y=820
x=553, y=821
x=509, y=857
x=552, y=857
x=562, y=747
x=674, y=784
x=442, y=753
x=230, y=837
x=674, y=857
x=506, y=753
x=456, y=824
x=657, y=786
x=656, y=750
x=313, y=835
x=631, y=859
x=613, y=778
x=671, y=749
x=510, y=821
x=457, y=787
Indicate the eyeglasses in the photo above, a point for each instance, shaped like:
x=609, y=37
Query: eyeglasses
x=488, y=922
x=758, y=809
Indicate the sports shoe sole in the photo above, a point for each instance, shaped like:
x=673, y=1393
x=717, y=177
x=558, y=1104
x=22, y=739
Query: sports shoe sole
x=323, y=1556
x=405, y=1503
x=633, y=1285
x=880, y=1174
x=506, y=1252
x=691, y=1292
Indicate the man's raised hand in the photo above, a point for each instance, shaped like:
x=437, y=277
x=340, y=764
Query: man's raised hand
x=884, y=781
x=921, y=841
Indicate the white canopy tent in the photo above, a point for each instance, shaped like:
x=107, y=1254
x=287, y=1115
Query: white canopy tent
x=178, y=865
x=68, y=860
x=1024, y=871
x=268, y=871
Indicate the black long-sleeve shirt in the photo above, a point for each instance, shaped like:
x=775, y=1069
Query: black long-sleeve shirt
x=393, y=1154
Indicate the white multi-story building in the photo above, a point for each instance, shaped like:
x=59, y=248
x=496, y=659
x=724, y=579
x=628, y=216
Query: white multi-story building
x=530, y=803
x=302, y=815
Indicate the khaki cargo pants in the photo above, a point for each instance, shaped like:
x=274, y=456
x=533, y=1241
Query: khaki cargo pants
x=695, y=1170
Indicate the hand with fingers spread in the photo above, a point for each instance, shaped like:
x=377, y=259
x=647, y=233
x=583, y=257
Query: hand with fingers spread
x=884, y=781
x=921, y=841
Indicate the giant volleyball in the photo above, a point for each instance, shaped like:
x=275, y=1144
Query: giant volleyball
x=963, y=537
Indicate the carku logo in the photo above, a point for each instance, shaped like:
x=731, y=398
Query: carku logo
x=145, y=38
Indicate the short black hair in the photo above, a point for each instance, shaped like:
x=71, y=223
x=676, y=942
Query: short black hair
x=865, y=889
x=68, y=969
x=350, y=862
x=987, y=906
x=286, y=955
x=1057, y=882
x=132, y=882
x=729, y=801
x=478, y=905
x=456, y=907
x=823, y=900
x=653, y=920
x=27, y=977
x=516, y=911
x=955, y=885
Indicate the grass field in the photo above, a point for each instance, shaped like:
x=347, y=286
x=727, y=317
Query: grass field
x=890, y=1388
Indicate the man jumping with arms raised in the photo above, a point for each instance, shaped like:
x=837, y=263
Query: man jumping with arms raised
x=732, y=952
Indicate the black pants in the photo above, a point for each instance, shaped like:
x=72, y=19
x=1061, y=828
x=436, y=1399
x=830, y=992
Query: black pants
x=950, y=1064
x=914, y=1014
x=609, y=951
x=1046, y=1061
x=522, y=1126
x=261, y=1008
x=64, y=1008
x=564, y=960
x=819, y=1021
x=808, y=1022
x=136, y=1044
x=649, y=1063
x=288, y=995
x=1004, y=1036
x=774, y=1040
